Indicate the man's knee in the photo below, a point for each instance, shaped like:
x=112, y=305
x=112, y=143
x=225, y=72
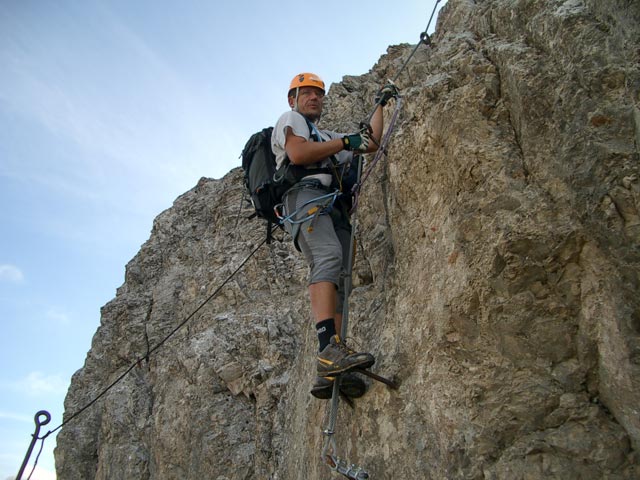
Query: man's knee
x=327, y=266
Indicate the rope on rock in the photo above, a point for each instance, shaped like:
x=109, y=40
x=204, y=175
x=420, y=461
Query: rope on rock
x=127, y=371
x=329, y=453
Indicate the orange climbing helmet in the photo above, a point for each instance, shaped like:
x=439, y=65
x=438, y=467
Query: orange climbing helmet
x=306, y=80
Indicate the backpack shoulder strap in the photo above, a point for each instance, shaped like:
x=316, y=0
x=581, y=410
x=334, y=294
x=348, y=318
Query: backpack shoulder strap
x=314, y=133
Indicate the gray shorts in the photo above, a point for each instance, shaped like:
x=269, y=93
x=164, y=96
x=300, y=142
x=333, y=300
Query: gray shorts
x=326, y=247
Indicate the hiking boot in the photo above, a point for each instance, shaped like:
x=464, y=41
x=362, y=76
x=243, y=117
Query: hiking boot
x=350, y=385
x=337, y=358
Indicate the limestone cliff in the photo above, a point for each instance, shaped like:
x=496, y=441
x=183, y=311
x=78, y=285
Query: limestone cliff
x=497, y=278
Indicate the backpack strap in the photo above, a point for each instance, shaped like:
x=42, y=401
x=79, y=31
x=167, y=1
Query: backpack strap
x=314, y=133
x=333, y=170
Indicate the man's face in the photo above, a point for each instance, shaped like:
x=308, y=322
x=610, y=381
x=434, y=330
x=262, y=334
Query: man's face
x=309, y=102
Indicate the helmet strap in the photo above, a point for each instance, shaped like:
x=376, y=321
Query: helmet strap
x=295, y=100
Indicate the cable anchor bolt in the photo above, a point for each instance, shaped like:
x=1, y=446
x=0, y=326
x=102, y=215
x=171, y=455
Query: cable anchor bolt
x=352, y=471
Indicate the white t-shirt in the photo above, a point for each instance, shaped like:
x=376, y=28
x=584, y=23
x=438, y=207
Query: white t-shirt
x=299, y=126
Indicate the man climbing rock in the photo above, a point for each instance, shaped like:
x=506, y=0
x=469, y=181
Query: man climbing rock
x=318, y=221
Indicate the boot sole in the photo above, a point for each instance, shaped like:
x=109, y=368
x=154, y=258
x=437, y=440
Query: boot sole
x=351, y=390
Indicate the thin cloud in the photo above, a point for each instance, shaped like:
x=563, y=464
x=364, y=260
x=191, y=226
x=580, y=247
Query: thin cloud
x=38, y=474
x=11, y=274
x=37, y=384
x=58, y=317
x=141, y=134
x=16, y=417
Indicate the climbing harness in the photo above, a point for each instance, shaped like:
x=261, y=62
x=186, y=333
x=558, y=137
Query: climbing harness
x=322, y=204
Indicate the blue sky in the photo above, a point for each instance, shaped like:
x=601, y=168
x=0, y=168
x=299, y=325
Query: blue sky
x=109, y=110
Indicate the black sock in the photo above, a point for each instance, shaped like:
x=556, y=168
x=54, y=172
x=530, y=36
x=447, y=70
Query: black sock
x=325, y=330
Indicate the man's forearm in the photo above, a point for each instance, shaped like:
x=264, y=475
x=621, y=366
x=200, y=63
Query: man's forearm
x=302, y=152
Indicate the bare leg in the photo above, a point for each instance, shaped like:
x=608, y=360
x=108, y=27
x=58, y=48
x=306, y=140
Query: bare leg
x=323, y=301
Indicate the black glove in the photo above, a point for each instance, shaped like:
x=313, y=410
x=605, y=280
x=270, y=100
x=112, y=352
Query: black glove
x=358, y=142
x=386, y=93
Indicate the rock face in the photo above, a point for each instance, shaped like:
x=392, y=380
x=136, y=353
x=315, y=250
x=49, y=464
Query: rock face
x=497, y=278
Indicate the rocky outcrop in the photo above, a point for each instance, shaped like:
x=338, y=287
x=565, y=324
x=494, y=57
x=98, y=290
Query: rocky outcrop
x=497, y=277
